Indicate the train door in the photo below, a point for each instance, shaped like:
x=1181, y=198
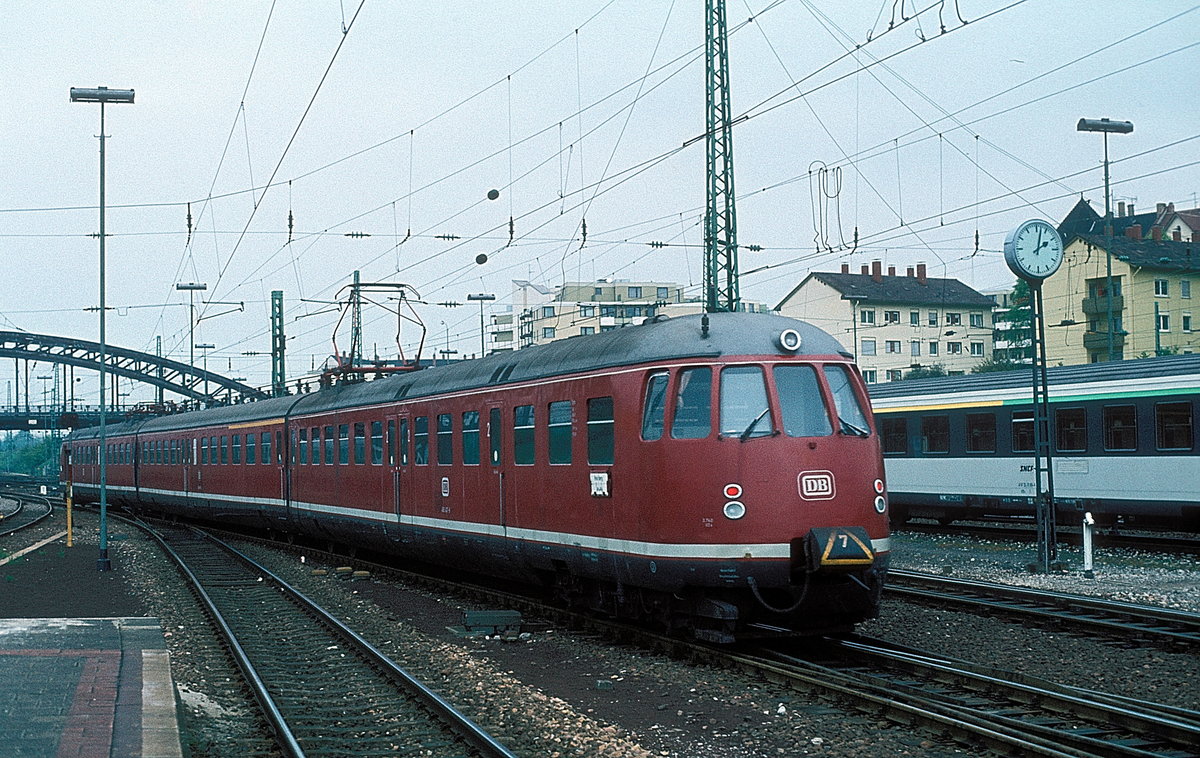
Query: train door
x=499, y=491
x=189, y=459
x=398, y=430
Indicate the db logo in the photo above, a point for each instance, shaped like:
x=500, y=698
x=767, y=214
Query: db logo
x=816, y=485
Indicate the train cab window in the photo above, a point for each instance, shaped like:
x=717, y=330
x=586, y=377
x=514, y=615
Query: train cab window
x=329, y=444
x=693, y=405
x=470, y=438
x=224, y=450
x=523, y=454
x=745, y=411
x=360, y=443
x=981, y=433
x=236, y=449
x=655, y=406
x=251, y=449
x=421, y=440
x=445, y=439
x=343, y=444
x=1070, y=430
x=1173, y=424
x=1022, y=431
x=559, y=424
x=403, y=442
x=376, y=443
x=1120, y=427
x=851, y=418
x=391, y=441
x=895, y=436
x=800, y=402
x=935, y=434
x=495, y=434
x=600, y=422
x=302, y=446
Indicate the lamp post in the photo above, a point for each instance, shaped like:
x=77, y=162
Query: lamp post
x=1106, y=127
x=854, y=301
x=102, y=95
x=482, y=298
x=205, y=347
x=191, y=288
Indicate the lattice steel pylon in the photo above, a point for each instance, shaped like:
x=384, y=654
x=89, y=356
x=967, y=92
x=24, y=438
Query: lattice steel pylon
x=720, y=217
x=278, y=346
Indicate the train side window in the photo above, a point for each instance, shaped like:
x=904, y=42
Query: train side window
x=496, y=432
x=803, y=410
x=236, y=449
x=744, y=407
x=224, y=450
x=1173, y=422
x=523, y=454
x=403, y=442
x=391, y=441
x=302, y=446
x=470, y=438
x=445, y=439
x=935, y=434
x=1120, y=427
x=376, y=443
x=693, y=405
x=1070, y=430
x=600, y=423
x=1022, y=431
x=421, y=440
x=360, y=443
x=251, y=449
x=343, y=444
x=655, y=407
x=204, y=451
x=266, y=447
x=329, y=444
x=315, y=450
x=981, y=432
x=559, y=424
x=895, y=436
x=851, y=417
x=214, y=450
x=278, y=447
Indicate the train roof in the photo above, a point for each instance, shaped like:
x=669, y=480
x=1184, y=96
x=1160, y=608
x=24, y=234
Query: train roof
x=1177, y=369
x=662, y=339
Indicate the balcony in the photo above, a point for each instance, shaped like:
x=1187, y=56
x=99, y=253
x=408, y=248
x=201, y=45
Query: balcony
x=1099, y=305
x=1099, y=340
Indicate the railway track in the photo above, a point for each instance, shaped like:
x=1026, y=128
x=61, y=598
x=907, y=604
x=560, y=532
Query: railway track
x=1023, y=532
x=19, y=510
x=324, y=690
x=1121, y=620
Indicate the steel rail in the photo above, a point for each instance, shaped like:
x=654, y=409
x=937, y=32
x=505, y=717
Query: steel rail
x=1069, y=535
x=8, y=526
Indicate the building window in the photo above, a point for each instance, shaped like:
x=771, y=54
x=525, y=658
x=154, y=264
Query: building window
x=598, y=291
x=600, y=430
x=933, y=348
x=981, y=433
x=953, y=319
x=635, y=293
x=866, y=316
x=587, y=311
x=870, y=376
x=587, y=330
x=547, y=311
x=954, y=348
x=1187, y=322
x=894, y=374
x=977, y=349
x=1161, y=288
x=891, y=346
x=608, y=310
x=1164, y=322
x=977, y=320
x=548, y=332
x=664, y=293
x=891, y=317
x=933, y=318
x=560, y=432
x=867, y=347
x=1185, y=288
x=914, y=318
x=1120, y=427
x=914, y=349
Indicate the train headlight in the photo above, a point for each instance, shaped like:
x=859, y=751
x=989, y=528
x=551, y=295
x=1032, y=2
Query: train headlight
x=878, y=486
x=789, y=340
x=733, y=491
x=880, y=504
x=734, y=510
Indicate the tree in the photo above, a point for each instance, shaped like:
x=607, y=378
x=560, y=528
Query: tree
x=997, y=364
x=925, y=372
x=1015, y=327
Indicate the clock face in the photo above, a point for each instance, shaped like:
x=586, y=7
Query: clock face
x=1034, y=250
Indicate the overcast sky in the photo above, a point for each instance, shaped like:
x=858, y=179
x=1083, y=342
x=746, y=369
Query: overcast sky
x=572, y=111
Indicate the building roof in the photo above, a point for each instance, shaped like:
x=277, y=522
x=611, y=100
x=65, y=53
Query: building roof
x=902, y=289
x=1164, y=255
x=1083, y=220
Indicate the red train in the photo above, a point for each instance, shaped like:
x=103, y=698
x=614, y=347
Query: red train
x=714, y=473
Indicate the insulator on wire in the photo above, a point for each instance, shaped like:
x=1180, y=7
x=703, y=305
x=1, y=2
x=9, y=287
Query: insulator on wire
x=290, y=222
x=189, y=223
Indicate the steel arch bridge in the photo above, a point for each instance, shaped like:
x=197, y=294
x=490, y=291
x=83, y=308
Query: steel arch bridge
x=190, y=382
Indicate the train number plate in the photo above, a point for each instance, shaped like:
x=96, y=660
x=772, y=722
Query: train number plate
x=816, y=485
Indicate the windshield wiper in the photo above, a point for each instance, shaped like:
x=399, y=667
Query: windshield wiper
x=848, y=428
x=750, y=429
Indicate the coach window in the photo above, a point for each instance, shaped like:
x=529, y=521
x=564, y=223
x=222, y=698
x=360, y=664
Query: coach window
x=236, y=447
x=851, y=418
x=214, y=450
x=204, y=451
x=559, y=425
x=421, y=440
x=314, y=449
x=302, y=446
x=470, y=438
x=343, y=447
x=800, y=402
x=523, y=453
x=376, y=443
x=693, y=405
x=895, y=436
x=224, y=450
x=1070, y=430
x=330, y=443
x=600, y=430
x=445, y=439
x=1022, y=431
x=251, y=449
x=935, y=434
x=981, y=432
x=360, y=442
x=655, y=406
x=1173, y=422
x=403, y=442
x=1120, y=427
x=495, y=435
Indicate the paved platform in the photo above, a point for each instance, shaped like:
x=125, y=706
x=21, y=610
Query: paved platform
x=86, y=688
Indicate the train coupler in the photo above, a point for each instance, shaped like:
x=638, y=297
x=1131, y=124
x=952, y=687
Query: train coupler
x=837, y=549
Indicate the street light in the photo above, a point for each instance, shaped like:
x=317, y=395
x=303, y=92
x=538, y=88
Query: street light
x=191, y=288
x=205, y=347
x=102, y=95
x=1106, y=127
x=482, y=298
